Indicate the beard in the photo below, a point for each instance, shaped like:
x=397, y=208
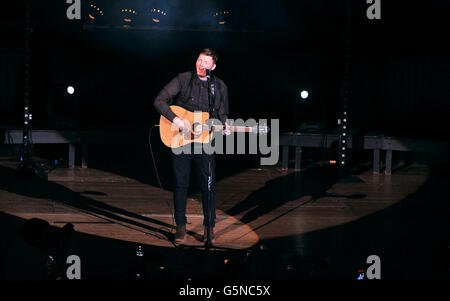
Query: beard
x=201, y=73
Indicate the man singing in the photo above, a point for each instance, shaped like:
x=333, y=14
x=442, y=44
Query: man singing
x=190, y=90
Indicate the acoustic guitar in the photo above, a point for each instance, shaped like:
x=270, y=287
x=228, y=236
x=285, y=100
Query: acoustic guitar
x=201, y=128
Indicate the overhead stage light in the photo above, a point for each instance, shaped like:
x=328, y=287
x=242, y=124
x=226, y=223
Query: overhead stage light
x=157, y=15
x=70, y=90
x=222, y=17
x=304, y=94
x=94, y=12
x=128, y=15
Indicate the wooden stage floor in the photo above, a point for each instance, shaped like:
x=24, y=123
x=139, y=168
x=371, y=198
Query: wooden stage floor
x=253, y=206
x=117, y=207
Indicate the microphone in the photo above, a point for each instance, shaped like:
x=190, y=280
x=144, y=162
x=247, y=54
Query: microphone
x=208, y=73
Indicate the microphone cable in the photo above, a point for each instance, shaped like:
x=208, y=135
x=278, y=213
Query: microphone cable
x=153, y=158
x=157, y=175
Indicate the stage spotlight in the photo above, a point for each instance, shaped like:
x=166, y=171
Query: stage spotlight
x=222, y=17
x=128, y=16
x=94, y=12
x=156, y=15
x=304, y=94
x=70, y=90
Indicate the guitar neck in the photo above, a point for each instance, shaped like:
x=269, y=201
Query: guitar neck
x=232, y=128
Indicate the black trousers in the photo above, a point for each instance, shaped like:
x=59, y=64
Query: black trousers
x=182, y=170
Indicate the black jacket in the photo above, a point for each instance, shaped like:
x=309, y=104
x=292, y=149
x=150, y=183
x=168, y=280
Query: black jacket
x=188, y=91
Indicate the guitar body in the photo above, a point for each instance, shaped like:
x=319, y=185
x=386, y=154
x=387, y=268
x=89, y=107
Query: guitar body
x=172, y=137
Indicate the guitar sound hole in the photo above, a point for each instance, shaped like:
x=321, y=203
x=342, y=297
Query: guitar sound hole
x=196, y=130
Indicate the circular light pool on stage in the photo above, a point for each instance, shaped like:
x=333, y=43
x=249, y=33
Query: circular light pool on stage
x=70, y=90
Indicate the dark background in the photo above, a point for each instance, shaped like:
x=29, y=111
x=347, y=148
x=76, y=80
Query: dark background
x=269, y=52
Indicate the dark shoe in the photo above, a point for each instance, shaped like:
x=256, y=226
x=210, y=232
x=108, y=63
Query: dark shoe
x=180, y=235
x=211, y=232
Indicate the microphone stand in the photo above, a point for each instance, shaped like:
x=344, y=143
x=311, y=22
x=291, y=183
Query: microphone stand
x=208, y=243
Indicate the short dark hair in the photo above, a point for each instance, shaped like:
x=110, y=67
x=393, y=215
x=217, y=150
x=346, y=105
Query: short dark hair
x=210, y=52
